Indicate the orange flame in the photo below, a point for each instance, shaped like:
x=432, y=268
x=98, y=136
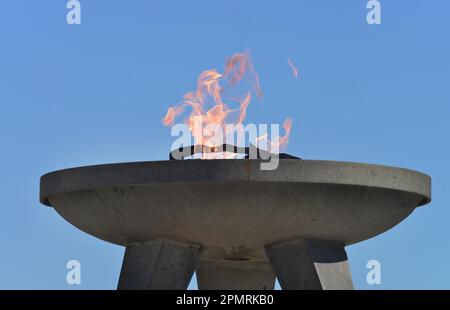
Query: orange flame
x=293, y=68
x=209, y=103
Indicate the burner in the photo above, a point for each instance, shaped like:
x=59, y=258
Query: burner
x=257, y=153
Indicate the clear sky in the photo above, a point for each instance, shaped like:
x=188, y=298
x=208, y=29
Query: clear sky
x=73, y=95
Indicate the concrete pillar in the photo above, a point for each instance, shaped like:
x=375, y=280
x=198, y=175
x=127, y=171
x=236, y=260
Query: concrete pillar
x=310, y=265
x=235, y=275
x=158, y=266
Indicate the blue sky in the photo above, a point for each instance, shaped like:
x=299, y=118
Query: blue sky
x=96, y=92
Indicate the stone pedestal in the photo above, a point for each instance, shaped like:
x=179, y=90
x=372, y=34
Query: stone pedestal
x=310, y=265
x=235, y=275
x=159, y=265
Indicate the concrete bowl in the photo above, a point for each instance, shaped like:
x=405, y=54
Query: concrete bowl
x=233, y=204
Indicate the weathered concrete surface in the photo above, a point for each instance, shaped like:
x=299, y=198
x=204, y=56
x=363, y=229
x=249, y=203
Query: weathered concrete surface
x=310, y=265
x=235, y=275
x=158, y=266
x=194, y=171
x=232, y=203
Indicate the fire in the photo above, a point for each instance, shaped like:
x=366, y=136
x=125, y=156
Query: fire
x=219, y=100
x=293, y=68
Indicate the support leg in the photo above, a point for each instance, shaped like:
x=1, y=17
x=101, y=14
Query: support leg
x=158, y=266
x=235, y=275
x=310, y=264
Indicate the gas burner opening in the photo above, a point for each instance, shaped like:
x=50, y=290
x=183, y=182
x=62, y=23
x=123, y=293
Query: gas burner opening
x=231, y=151
x=237, y=259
